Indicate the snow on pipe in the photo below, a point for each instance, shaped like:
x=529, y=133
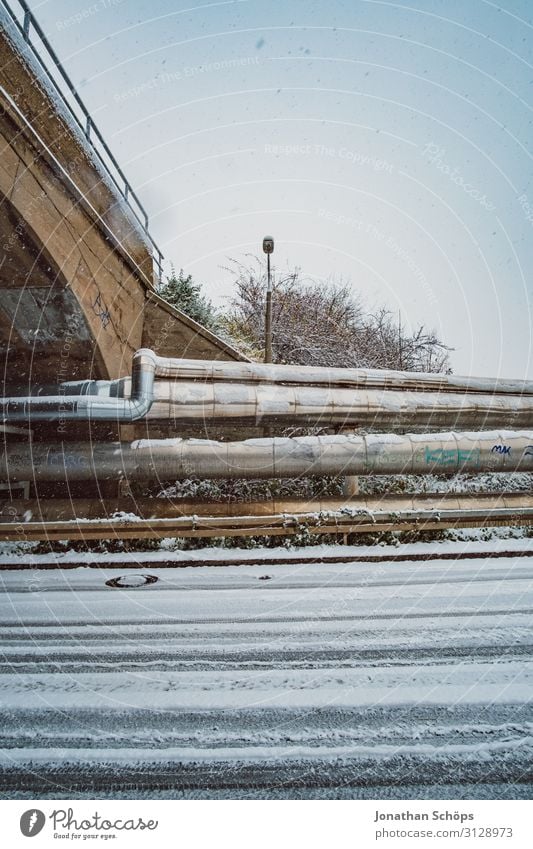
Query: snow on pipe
x=174, y=459
x=246, y=372
x=194, y=390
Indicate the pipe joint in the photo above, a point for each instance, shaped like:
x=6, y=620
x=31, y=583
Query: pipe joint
x=88, y=406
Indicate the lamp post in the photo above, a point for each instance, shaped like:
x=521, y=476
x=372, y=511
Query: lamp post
x=268, y=248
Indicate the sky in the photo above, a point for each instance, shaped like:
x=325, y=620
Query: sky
x=386, y=145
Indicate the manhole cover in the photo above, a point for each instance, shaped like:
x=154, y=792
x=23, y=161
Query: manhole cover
x=130, y=581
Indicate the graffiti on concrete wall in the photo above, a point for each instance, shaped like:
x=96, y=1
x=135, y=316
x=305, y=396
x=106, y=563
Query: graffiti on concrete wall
x=100, y=310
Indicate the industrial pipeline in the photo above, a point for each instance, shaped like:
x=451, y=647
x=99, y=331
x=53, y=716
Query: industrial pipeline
x=185, y=392
x=174, y=459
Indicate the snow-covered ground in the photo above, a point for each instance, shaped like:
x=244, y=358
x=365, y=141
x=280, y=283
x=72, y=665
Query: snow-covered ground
x=19, y=554
x=373, y=680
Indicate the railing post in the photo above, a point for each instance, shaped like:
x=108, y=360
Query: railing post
x=26, y=25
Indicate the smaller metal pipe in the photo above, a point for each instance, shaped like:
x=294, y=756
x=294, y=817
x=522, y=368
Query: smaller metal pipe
x=89, y=407
x=354, y=378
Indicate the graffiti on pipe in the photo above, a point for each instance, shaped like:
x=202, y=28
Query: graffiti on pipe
x=452, y=456
x=67, y=461
x=390, y=458
x=528, y=451
x=501, y=449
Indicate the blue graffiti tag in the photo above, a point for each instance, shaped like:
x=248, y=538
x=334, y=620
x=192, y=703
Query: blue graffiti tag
x=67, y=461
x=501, y=449
x=528, y=451
x=100, y=310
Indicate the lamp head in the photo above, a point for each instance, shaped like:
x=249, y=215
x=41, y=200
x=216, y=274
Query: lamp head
x=268, y=245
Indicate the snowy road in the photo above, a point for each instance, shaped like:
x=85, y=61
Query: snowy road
x=332, y=681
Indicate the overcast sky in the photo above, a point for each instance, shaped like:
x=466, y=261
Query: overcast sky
x=386, y=144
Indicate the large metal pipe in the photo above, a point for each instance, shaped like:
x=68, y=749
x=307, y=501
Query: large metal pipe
x=195, y=391
x=187, y=402
x=174, y=459
x=188, y=391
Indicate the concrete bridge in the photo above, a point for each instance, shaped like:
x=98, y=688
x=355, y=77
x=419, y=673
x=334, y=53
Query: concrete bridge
x=78, y=268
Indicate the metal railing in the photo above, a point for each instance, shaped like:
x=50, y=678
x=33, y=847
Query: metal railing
x=92, y=133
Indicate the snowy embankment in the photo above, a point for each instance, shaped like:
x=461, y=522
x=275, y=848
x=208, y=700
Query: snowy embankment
x=331, y=680
x=16, y=554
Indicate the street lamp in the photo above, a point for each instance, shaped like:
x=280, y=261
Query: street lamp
x=268, y=248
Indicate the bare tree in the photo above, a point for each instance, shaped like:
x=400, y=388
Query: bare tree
x=324, y=324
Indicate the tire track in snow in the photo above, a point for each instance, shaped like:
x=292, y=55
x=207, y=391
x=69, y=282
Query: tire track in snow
x=331, y=686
